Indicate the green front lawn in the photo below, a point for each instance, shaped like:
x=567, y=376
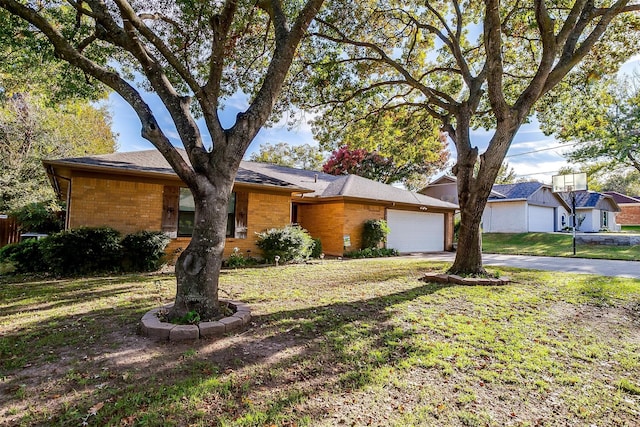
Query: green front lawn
x=352, y=343
x=553, y=244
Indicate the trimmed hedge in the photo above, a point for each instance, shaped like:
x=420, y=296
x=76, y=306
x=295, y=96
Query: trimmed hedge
x=144, y=250
x=82, y=251
x=291, y=243
x=85, y=251
x=26, y=256
x=372, y=253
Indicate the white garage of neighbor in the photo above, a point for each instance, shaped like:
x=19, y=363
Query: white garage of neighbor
x=541, y=219
x=415, y=231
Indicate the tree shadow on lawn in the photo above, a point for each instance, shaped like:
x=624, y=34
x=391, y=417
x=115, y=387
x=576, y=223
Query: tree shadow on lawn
x=283, y=359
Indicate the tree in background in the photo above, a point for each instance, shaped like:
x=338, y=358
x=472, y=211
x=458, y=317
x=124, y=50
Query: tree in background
x=304, y=156
x=604, y=121
x=31, y=131
x=193, y=55
x=360, y=162
x=403, y=144
x=623, y=182
x=466, y=65
x=506, y=175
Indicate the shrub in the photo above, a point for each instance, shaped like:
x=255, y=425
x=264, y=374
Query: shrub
x=374, y=233
x=456, y=229
x=144, y=250
x=39, y=217
x=316, y=250
x=83, y=251
x=372, y=253
x=291, y=243
x=26, y=256
x=236, y=259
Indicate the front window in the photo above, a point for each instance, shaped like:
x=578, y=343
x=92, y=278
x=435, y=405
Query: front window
x=187, y=211
x=605, y=219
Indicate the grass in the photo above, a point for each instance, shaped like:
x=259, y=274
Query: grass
x=553, y=244
x=635, y=229
x=357, y=343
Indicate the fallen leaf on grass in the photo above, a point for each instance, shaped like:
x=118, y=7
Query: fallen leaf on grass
x=95, y=408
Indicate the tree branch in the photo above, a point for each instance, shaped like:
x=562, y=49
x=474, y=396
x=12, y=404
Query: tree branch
x=150, y=128
x=440, y=99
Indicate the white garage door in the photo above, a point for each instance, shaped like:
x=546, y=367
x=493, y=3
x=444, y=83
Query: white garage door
x=541, y=219
x=415, y=231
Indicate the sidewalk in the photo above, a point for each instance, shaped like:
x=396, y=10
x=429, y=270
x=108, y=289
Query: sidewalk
x=602, y=267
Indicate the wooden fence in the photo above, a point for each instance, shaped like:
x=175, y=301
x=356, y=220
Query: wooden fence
x=9, y=232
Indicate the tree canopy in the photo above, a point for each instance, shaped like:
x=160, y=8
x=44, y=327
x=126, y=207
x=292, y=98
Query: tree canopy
x=303, y=156
x=28, y=65
x=604, y=123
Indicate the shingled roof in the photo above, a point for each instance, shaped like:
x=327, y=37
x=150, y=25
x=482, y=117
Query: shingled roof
x=315, y=184
x=520, y=190
x=325, y=185
x=622, y=199
x=152, y=162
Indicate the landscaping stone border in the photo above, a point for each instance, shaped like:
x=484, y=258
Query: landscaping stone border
x=151, y=326
x=467, y=281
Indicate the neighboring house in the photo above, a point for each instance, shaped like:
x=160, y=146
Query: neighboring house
x=525, y=207
x=533, y=207
x=629, y=208
x=139, y=191
x=444, y=188
x=595, y=212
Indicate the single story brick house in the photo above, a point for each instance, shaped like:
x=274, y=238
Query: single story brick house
x=139, y=191
x=629, y=208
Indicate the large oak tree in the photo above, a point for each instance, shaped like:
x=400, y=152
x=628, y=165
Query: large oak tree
x=193, y=55
x=465, y=64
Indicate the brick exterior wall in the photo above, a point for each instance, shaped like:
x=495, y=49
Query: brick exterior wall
x=324, y=221
x=629, y=214
x=127, y=206
x=265, y=210
x=131, y=205
x=330, y=222
x=356, y=214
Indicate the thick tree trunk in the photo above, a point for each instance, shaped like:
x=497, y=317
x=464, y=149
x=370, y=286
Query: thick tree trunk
x=469, y=250
x=198, y=267
x=474, y=188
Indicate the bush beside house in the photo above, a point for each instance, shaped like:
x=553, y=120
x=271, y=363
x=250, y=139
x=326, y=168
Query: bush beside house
x=86, y=251
x=290, y=244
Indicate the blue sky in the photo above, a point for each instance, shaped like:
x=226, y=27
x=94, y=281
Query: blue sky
x=541, y=165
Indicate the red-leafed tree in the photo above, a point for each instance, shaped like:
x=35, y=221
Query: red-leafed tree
x=377, y=167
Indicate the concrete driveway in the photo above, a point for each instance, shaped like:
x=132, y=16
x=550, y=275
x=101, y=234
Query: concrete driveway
x=612, y=268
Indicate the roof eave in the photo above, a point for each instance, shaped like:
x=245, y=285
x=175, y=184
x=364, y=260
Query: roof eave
x=161, y=175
